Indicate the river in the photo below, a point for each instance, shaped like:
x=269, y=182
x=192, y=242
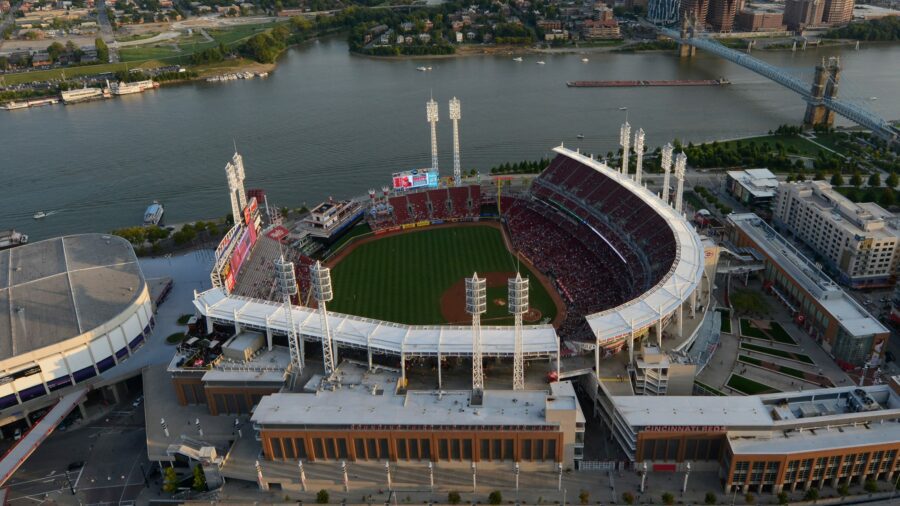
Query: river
x=327, y=123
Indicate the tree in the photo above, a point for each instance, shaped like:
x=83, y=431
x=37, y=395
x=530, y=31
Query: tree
x=668, y=499
x=495, y=497
x=102, y=50
x=888, y=197
x=843, y=490
x=627, y=497
x=875, y=179
x=856, y=180
x=453, y=497
x=55, y=50
x=750, y=498
x=871, y=486
x=837, y=179
x=584, y=496
x=199, y=484
x=812, y=494
x=322, y=497
x=892, y=180
x=818, y=176
x=710, y=498
x=170, y=480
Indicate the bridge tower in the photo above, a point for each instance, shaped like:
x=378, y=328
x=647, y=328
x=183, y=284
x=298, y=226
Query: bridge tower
x=688, y=24
x=825, y=85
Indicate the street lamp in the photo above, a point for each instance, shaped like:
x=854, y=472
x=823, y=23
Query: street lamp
x=474, y=479
x=199, y=428
x=431, y=475
x=387, y=470
x=517, y=482
x=643, y=476
x=165, y=428
x=559, y=482
x=687, y=473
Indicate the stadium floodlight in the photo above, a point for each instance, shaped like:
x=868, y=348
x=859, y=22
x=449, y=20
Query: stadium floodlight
x=680, y=166
x=320, y=278
x=517, y=300
x=431, y=113
x=287, y=285
x=234, y=171
x=639, y=154
x=476, y=305
x=666, y=163
x=625, y=142
x=456, y=115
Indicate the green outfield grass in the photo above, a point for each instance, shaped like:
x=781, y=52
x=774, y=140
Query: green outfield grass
x=401, y=278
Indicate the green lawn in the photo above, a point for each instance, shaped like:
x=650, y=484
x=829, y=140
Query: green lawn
x=801, y=145
x=799, y=357
x=748, y=386
x=790, y=371
x=726, y=320
x=401, y=278
x=238, y=33
x=142, y=53
x=830, y=140
x=749, y=301
x=775, y=332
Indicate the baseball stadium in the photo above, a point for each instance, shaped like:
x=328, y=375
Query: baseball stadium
x=607, y=261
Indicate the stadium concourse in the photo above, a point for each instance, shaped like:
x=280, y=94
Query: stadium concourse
x=624, y=260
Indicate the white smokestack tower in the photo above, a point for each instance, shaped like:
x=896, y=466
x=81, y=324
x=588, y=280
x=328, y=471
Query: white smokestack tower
x=639, y=153
x=234, y=171
x=680, y=165
x=456, y=115
x=666, y=163
x=431, y=113
x=625, y=142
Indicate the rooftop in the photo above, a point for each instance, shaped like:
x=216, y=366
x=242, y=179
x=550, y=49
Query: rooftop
x=368, y=398
x=60, y=288
x=818, y=440
x=761, y=183
x=828, y=406
x=865, y=219
x=851, y=316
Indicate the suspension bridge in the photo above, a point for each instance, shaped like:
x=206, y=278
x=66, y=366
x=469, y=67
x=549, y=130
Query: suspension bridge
x=820, y=97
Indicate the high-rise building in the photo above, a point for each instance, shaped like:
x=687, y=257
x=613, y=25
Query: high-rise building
x=798, y=14
x=721, y=14
x=698, y=8
x=663, y=11
x=861, y=242
x=838, y=12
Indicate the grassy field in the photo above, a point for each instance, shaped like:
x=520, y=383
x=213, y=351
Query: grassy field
x=726, y=320
x=143, y=53
x=709, y=389
x=799, y=357
x=775, y=332
x=802, y=145
x=748, y=386
x=401, y=278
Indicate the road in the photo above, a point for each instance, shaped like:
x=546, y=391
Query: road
x=114, y=454
x=106, y=31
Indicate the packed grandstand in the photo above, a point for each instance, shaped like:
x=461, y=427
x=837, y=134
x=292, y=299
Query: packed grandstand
x=620, y=257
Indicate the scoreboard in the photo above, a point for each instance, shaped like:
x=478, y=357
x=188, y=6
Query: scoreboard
x=416, y=178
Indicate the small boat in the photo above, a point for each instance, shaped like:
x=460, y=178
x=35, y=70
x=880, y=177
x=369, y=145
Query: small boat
x=517, y=58
x=873, y=98
x=428, y=67
x=541, y=63
x=39, y=215
x=579, y=136
x=422, y=69
x=584, y=60
x=154, y=213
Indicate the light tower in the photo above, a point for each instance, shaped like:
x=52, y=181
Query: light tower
x=666, y=163
x=234, y=171
x=431, y=113
x=287, y=284
x=320, y=278
x=625, y=142
x=476, y=305
x=456, y=115
x=639, y=154
x=517, y=299
x=680, y=163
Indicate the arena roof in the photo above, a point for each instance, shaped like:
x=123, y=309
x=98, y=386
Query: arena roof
x=60, y=288
x=683, y=277
x=380, y=336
